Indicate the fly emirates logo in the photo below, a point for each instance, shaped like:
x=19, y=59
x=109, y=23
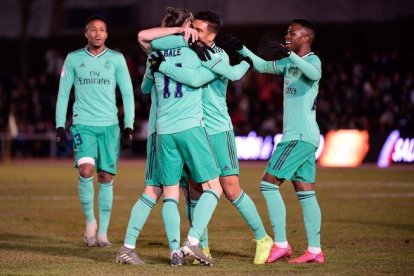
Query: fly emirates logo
x=94, y=78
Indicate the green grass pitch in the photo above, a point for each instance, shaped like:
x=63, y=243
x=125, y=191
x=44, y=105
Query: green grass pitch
x=367, y=227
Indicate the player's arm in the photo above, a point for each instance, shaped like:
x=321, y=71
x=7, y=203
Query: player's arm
x=312, y=71
x=223, y=68
x=145, y=37
x=190, y=77
x=123, y=80
x=261, y=65
x=147, y=81
x=67, y=77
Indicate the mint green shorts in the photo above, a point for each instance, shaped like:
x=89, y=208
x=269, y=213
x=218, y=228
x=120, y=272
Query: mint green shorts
x=224, y=146
x=190, y=147
x=151, y=162
x=293, y=160
x=96, y=144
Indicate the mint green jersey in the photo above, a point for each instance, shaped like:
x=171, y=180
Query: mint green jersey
x=179, y=106
x=300, y=89
x=94, y=79
x=148, y=87
x=214, y=87
x=216, y=63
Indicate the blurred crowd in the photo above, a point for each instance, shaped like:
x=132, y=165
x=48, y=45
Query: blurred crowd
x=374, y=92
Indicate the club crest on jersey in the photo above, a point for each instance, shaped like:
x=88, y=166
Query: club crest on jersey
x=293, y=71
x=108, y=65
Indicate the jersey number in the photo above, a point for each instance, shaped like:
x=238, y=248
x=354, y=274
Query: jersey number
x=178, y=89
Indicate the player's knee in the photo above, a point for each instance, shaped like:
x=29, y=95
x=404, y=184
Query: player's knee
x=154, y=192
x=303, y=186
x=231, y=191
x=104, y=177
x=86, y=170
x=272, y=179
x=213, y=184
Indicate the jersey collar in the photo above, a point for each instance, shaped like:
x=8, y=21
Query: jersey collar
x=92, y=55
x=308, y=54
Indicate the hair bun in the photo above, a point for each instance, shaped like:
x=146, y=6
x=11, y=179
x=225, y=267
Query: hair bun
x=170, y=10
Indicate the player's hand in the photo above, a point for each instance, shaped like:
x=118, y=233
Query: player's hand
x=249, y=61
x=229, y=41
x=190, y=34
x=156, y=61
x=61, y=139
x=126, y=139
x=201, y=49
x=278, y=48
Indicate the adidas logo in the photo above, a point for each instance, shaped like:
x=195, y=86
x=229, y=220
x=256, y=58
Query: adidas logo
x=82, y=65
x=226, y=167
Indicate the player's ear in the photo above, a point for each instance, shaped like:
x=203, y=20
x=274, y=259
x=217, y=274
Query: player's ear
x=212, y=36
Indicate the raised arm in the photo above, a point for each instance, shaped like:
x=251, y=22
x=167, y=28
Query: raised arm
x=259, y=64
x=187, y=76
x=223, y=68
x=312, y=71
x=145, y=37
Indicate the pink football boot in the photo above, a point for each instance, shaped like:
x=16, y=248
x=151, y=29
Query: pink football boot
x=309, y=257
x=278, y=253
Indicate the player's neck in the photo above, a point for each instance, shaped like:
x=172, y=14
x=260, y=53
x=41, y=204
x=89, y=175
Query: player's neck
x=303, y=51
x=96, y=50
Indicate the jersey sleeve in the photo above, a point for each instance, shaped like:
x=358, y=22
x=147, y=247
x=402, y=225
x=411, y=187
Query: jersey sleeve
x=123, y=80
x=261, y=65
x=67, y=77
x=221, y=66
x=147, y=80
x=190, y=77
x=168, y=42
x=311, y=68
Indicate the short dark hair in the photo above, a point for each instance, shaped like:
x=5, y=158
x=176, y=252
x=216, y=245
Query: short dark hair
x=213, y=19
x=95, y=17
x=307, y=24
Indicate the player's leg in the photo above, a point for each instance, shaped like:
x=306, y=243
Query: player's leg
x=85, y=151
x=170, y=165
x=224, y=146
x=192, y=192
x=108, y=154
x=304, y=183
x=142, y=207
x=201, y=162
x=281, y=166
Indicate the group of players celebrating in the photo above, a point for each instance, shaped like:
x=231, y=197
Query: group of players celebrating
x=191, y=144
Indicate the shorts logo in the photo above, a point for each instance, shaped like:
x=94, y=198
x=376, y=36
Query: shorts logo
x=226, y=168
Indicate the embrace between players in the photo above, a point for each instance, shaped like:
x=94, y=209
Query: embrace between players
x=191, y=142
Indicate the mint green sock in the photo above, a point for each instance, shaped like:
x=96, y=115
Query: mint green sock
x=139, y=215
x=203, y=212
x=105, y=199
x=171, y=219
x=247, y=209
x=86, y=194
x=276, y=209
x=311, y=216
x=204, y=236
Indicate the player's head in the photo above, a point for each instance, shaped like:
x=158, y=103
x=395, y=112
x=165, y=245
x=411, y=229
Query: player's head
x=95, y=31
x=208, y=25
x=177, y=17
x=301, y=33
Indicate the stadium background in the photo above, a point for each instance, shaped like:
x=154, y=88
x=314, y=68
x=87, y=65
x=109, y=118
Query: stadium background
x=367, y=85
x=366, y=50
